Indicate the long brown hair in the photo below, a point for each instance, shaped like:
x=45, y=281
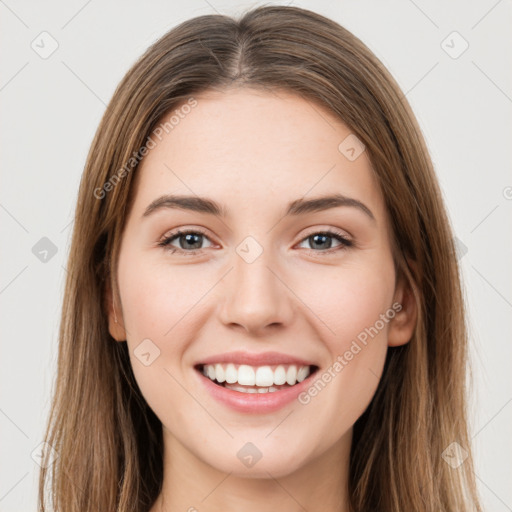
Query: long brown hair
x=108, y=440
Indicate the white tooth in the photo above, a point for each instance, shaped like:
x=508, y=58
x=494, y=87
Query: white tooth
x=231, y=374
x=245, y=389
x=279, y=375
x=235, y=387
x=219, y=373
x=291, y=375
x=264, y=376
x=246, y=375
x=302, y=373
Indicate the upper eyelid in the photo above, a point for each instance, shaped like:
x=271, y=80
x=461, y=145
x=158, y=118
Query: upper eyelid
x=171, y=233
x=332, y=232
x=202, y=231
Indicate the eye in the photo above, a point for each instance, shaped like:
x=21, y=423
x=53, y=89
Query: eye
x=189, y=241
x=323, y=240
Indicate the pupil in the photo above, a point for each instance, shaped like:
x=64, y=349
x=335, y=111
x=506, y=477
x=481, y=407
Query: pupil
x=188, y=237
x=315, y=237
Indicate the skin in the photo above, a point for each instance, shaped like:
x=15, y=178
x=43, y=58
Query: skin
x=254, y=152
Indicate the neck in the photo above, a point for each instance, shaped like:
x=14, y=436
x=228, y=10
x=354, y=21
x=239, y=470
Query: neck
x=190, y=484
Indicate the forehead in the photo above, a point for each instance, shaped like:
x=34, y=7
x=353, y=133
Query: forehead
x=245, y=146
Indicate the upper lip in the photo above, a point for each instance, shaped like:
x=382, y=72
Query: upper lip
x=251, y=359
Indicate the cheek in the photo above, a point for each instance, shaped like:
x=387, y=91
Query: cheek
x=356, y=306
x=353, y=299
x=344, y=306
x=156, y=301
x=157, y=316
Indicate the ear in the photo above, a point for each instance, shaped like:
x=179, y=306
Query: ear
x=401, y=327
x=115, y=317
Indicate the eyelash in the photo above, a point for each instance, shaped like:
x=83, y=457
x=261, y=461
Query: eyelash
x=345, y=242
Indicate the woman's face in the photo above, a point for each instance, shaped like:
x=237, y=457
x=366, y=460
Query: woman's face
x=257, y=282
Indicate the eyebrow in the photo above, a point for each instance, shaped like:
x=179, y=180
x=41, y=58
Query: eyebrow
x=295, y=208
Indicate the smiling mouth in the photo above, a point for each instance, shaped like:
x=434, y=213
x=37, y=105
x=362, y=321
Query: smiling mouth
x=256, y=379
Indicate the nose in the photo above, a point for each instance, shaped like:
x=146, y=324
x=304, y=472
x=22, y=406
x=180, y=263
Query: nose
x=256, y=298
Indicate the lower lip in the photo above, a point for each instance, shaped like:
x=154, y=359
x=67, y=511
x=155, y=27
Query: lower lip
x=254, y=402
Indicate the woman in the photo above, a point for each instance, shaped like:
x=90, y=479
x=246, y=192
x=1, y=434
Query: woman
x=308, y=349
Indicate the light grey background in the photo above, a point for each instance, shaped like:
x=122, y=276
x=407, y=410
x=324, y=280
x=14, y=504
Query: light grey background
x=50, y=109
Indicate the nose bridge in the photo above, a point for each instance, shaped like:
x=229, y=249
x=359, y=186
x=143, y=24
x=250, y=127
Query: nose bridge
x=255, y=296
